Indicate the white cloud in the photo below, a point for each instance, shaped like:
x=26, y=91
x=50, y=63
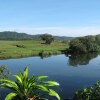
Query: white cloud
x=60, y=31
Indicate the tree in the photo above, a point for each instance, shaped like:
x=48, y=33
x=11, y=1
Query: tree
x=25, y=88
x=48, y=38
x=76, y=46
x=83, y=45
x=97, y=39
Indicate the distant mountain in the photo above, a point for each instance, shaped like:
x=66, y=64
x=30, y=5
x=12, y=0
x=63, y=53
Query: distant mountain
x=9, y=35
x=62, y=38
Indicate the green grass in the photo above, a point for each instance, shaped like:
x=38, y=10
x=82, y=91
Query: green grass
x=8, y=49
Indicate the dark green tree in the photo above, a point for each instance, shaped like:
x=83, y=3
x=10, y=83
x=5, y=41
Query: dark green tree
x=97, y=37
x=48, y=38
x=76, y=46
x=89, y=42
x=83, y=45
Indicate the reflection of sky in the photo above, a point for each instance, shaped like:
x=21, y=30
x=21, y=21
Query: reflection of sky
x=56, y=67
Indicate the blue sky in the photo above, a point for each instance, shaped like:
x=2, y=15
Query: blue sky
x=57, y=17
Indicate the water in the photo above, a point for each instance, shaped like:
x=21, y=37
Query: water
x=72, y=73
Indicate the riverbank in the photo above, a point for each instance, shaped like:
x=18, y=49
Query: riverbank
x=16, y=49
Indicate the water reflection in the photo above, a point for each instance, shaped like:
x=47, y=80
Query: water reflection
x=82, y=59
x=47, y=56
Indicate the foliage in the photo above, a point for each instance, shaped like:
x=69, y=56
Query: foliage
x=97, y=37
x=83, y=45
x=25, y=88
x=48, y=38
x=3, y=72
x=76, y=46
x=92, y=93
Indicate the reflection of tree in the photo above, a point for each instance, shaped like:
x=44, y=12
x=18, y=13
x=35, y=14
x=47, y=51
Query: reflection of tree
x=82, y=59
x=3, y=72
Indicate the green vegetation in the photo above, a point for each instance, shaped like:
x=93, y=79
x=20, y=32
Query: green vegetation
x=87, y=44
x=29, y=45
x=92, y=93
x=25, y=88
x=48, y=38
x=3, y=72
x=13, y=49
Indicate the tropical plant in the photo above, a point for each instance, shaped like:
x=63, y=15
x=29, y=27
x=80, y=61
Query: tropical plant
x=25, y=88
x=92, y=93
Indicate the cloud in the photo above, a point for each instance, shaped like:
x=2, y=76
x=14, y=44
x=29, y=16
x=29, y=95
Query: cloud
x=60, y=31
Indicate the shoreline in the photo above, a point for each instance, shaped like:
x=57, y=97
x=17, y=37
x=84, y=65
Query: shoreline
x=20, y=49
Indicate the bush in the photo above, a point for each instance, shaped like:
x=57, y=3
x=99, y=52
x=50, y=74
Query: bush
x=92, y=93
x=3, y=72
x=20, y=46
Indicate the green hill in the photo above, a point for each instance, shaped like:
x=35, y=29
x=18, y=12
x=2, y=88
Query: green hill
x=9, y=35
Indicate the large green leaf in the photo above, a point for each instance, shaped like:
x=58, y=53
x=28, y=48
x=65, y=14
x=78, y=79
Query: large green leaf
x=25, y=78
x=42, y=77
x=53, y=93
x=18, y=78
x=26, y=73
x=43, y=88
x=9, y=82
x=21, y=75
x=10, y=96
x=52, y=83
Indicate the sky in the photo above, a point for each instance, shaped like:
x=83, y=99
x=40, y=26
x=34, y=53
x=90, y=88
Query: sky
x=56, y=17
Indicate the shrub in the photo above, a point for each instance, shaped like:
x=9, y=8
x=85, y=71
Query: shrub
x=3, y=72
x=20, y=46
x=92, y=93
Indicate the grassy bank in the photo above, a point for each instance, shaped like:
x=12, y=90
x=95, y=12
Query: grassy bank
x=15, y=49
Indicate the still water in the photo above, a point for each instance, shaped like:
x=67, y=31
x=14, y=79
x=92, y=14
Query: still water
x=73, y=73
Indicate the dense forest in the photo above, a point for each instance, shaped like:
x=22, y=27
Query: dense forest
x=8, y=35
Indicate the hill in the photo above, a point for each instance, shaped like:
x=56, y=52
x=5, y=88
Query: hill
x=9, y=35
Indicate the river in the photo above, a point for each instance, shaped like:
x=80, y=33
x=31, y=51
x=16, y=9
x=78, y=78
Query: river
x=73, y=73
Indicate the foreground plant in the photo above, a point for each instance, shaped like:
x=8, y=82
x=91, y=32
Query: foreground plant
x=25, y=88
x=92, y=93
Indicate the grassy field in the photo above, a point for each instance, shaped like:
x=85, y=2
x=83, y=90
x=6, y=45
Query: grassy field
x=14, y=49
